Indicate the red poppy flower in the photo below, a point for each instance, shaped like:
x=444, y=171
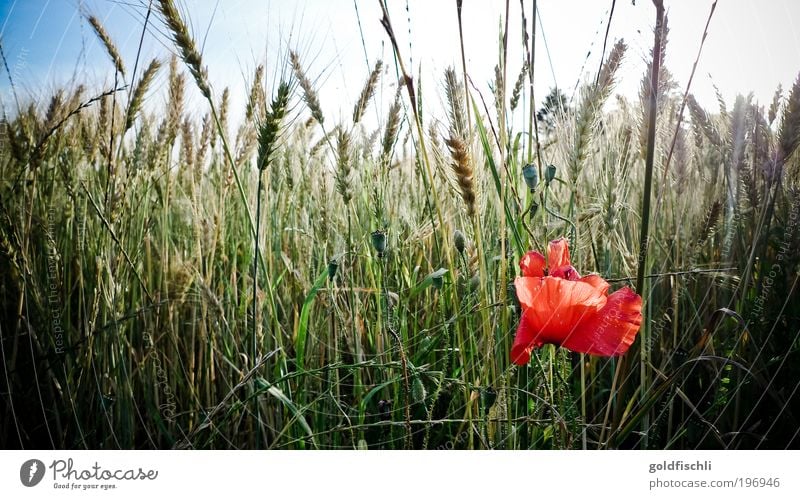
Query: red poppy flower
x=565, y=309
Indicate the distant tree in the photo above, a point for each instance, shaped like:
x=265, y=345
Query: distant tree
x=554, y=104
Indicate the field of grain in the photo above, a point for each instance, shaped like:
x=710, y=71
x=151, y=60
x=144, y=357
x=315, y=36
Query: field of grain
x=290, y=282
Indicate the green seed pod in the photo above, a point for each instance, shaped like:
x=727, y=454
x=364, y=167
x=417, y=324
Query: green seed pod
x=460, y=241
x=333, y=266
x=533, y=210
x=531, y=176
x=379, y=242
x=488, y=397
x=550, y=174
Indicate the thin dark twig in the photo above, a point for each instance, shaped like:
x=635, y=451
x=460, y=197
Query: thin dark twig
x=677, y=273
x=141, y=40
x=111, y=169
x=459, y=7
x=10, y=76
x=361, y=33
x=605, y=42
x=651, y=145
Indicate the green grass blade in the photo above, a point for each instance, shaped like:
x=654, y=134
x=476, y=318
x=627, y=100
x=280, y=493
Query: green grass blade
x=302, y=331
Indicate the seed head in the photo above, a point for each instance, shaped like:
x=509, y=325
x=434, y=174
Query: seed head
x=531, y=176
x=460, y=241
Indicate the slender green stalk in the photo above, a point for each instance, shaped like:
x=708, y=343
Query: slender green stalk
x=644, y=349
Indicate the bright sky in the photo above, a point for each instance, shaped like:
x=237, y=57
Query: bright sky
x=752, y=45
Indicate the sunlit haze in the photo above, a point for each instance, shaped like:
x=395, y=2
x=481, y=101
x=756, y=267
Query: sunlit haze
x=751, y=46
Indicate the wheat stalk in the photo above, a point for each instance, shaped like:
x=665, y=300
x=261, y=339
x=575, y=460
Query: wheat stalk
x=108, y=43
x=54, y=109
x=515, y=93
x=224, y=107
x=462, y=168
x=309, y=94
x=499, y=94
x=185, y=43
x=775, y=104
x=139, y=92
x=257, y=98
x=703, y=122
x=187, y=143
x=590, y=108
x=205, y=140
x=664, y=83
x=789, y=133
x=269, y=131
x=343, y=170
x=455, y=102
x=709, y=222
x=169, y=128
x=390, y=132
x=367, y=92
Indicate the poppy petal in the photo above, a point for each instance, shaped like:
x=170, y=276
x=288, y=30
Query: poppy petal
x=552, y=309
x=567, y=272
x=596, y=281
x=558, y=253
x=532, y=264
x=613, y=329
x=524, y=342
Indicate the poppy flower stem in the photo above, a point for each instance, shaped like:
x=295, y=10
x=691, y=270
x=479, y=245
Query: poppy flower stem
x=563, y=219
x=388, y=323
x=583, y=399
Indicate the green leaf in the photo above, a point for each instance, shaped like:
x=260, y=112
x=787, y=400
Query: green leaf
x=302, y=332
x=278, y=394
x=426, y=282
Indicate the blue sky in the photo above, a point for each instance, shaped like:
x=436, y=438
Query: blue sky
x=752, y=45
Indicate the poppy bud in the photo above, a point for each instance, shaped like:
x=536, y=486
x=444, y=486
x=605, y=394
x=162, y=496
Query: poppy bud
x=379, y=242
x=488, y=397
x=460, y=241
x=333, y=266
x=550, y=174
x=531, y=176
x=384, y=409
x=534, y=209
